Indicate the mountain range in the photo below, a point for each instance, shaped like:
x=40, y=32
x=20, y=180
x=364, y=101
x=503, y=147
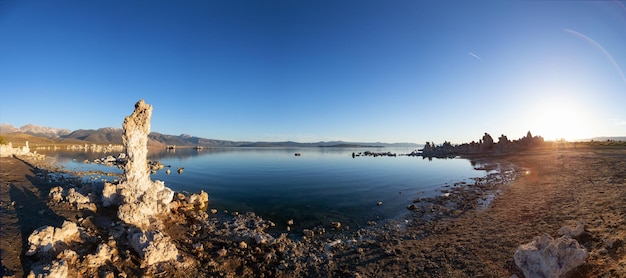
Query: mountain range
x=112, y=135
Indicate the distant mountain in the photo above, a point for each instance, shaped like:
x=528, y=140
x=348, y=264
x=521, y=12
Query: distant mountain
x=107, y=135
x=188, y=140
x=113, y=135
x=42, y=131
x=607, y=138
x=336, y=144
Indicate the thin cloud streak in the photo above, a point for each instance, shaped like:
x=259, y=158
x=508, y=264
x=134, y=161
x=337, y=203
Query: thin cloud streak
x=599, y=47
x=474, y=55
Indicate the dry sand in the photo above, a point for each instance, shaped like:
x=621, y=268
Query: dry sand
x=446, y=237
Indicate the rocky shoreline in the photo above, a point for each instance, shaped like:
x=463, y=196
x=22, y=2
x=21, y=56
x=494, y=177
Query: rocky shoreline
x=97, y=241
x=491, y=228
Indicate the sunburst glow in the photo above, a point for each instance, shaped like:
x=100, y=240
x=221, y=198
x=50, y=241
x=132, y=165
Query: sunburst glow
x=561, y=120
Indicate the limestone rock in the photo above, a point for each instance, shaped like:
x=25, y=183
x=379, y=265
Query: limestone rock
x=200, y=200
x=548, y=257
x=7, y=150
x=110, y=196
x=140, y=198
x=136, y=128
x=573, y=232
x=103, y=254
x=50, y=239
x=77, y=199
x=154, y=247
x=56, y=194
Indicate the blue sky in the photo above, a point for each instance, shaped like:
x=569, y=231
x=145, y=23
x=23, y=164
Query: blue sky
x=389, y=71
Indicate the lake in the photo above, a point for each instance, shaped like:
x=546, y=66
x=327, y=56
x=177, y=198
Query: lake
x=320, y=186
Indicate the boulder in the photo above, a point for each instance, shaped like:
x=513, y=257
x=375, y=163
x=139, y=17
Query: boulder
x=548, y=257
x=154, y=247
x=49, y=239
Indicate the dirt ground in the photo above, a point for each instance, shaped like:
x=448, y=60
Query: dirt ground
x=555, y=188
x=463, y=235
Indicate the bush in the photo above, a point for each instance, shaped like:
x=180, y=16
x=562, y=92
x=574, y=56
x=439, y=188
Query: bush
x=3, y=141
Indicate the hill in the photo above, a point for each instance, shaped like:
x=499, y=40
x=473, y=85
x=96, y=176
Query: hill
x=111, y=135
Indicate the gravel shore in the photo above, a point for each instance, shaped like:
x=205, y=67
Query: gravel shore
x=472, y=230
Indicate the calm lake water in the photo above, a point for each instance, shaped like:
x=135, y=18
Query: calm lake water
x=320, y=186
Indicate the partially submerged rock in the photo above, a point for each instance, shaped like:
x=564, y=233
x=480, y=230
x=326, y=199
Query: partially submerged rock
x=195, y=201
x=548, y=257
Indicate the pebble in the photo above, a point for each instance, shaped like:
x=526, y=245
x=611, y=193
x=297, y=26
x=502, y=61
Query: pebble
x=308, y=233
x=379, y=203
x=335, y=224
x=222, y=252
x=260, y=239
x=198, y=247
x=243, y=245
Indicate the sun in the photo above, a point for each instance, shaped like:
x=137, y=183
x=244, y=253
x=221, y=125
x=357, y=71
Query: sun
x=560, y=119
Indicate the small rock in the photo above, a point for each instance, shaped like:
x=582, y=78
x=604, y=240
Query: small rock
x=379, y=203
x=260, y=239
x=573, y=232
x=213, y=211
x=372, y=223
x=290, y=222
x=412, y=207
x=335, y=224
x=243, y=245
x=180, y=196
x=269, y=257
x=308, y=233
x=198, y=247
x=222, y=252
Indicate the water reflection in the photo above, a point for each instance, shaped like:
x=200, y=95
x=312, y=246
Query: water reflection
x=321, y=185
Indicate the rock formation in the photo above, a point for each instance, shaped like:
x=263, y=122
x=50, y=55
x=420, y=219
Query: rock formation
x=484, y=146
x=548, y=257
x=48, y=240
x=141, y=201
x=71, y=195
x=140, y=198
x=8, y=150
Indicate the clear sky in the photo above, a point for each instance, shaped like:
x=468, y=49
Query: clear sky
x=388, y=71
